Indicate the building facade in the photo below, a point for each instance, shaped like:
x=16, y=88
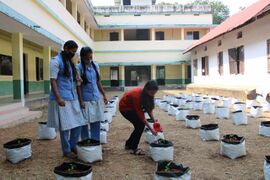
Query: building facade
x=133, y=41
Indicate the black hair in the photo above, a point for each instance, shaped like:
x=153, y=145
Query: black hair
x=147, y=102
x=69, y=45
x=84, y=51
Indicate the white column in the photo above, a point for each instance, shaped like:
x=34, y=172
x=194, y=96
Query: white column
x=64, y=2
x=122, y=76
x=182, y=34
x=46, y=68
x=122, y=37
x=17, y=66
x=74, y=9
x=153, y=34
x=87, y=29
x=183, y=73
x=82, y=20
x=153, y=72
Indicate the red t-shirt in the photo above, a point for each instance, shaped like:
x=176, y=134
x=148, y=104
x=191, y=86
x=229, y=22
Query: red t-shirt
x=131, y=101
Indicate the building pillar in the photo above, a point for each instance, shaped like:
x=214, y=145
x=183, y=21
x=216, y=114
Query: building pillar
x=88, y=29
x=122, y=35
x=17, y=66
x=153, y=72
x=153, y=34
x=182, y=34
x=82, y=20
x=74, y=9
x=122, y=76
x=183, y=74
x=64, y=2
x=46, y=68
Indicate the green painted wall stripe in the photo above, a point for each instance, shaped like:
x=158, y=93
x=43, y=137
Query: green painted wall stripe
x=34, y=86
x=175, y=81
x=47, y=86
x=17, y=89
x=6, y=88
x=106, y=82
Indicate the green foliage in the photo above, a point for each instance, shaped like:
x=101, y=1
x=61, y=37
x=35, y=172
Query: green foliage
x=72, y=167
x=166, y=3
x=168, y=167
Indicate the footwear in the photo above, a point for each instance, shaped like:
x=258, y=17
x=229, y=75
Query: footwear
x=74, y=150
x=70, y=155
x=127, y=147
x=138, y=152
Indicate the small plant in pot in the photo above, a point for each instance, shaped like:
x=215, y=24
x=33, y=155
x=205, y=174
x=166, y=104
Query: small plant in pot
x=161, y=150
x=266, y=168
x=193, y=121
x=18, y=150
x=209, y=132
x=89, y=150
x=169, y=170
x=256, y=111
x=232, y=146
x=72, y=170
x=239, y=117
x=264, y=128
x=222, y=112
x=45, y=132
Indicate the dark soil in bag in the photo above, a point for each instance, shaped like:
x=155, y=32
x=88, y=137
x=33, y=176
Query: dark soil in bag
x=237, y=111
x=17, y=143
x=88, y=142
x=192, y=117
x=42, y=123
x=267, y=159
x=255, y=107
x=161, y=143
x=239, y=103
x=209, y=126
x=265, y=123
x=170, y=169
x=73, y=169
x=174, y=105
x=232, y=139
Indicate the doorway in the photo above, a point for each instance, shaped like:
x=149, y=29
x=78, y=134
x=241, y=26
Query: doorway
x=25, y=84
x=114, y=76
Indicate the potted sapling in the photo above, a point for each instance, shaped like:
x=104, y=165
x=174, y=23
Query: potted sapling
x=188, y=104
x=209, y=132
x=239, y=117
x=233, y=146
x=256, y=111
x=89, y=150
x=103, y=136
x=164, y=105
x=161, y=150
x=266, y=168
x=172, y=109
x=250, y=103
x=222, y=112
x=104, y=125
x=168, y=170
x=45, y=132
x=193, y=121
x=149, y=137
x=226, y=102
x=18, y=150
x=264, y=128
x=73, y=170
x=197, y=105
x=239, y=106
x=181, y=114
x=209, y=107
x=108, y=116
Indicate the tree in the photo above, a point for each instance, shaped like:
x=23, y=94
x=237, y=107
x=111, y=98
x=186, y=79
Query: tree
x=220, y=11
x=166, y=3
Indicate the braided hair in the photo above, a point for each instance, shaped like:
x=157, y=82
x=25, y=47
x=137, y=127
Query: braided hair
x=84, y=51
x=69, y=45
x=147, y=102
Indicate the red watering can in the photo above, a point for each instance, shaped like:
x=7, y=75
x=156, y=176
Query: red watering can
x=157, y=127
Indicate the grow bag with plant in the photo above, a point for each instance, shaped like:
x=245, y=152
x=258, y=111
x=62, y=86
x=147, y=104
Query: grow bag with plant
x=222, y=112
x=18, y=150
x=256, y=111
x=239, y=117
x=103, y=136
x=266, y=168
x=226, y=102
x=250, y=103
x=104, y=125
x=45, y=132
x=264, y=128
x=89, y=150
x=193, y=121
x=197, y=105
x=181, y=114
x=232, y=146
x=73, y=170
x=111, y=109
x=209, y=132
x=188, y=104
x=161, y=150
x=108, y=116
x=149, y=137
x=167, y=170
x=239, y=106
x=172, y=109
x=209, y=108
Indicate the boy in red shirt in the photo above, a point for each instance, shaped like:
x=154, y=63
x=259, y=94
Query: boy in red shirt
x=132, y=106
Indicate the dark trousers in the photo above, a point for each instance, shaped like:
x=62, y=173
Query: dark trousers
x=134, y=138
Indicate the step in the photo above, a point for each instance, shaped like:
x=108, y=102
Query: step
x=8, y=107
x=17, y=118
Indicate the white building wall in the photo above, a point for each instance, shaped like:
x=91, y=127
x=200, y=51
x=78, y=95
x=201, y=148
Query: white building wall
x=254, y=40
x=141, y=2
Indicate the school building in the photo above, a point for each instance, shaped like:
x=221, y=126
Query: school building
x=133, y=41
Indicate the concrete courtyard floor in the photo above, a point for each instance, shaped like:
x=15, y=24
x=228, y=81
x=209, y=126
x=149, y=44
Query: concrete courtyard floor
x=203, y=158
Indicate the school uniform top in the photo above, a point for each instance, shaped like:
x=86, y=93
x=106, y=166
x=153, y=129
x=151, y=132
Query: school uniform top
x=90, y=91
x=131, y=101
x=66, y=85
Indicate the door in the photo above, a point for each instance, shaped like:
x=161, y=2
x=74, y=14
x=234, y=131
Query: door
x=114, y=73
x=161, y=75
x=25, y=85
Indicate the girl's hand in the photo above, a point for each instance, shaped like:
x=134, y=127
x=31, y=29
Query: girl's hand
x=154, y=132
x=82, y=104
x=60, y=102
x=105, y=100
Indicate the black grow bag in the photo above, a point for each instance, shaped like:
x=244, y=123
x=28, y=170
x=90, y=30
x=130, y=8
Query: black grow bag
x=192, y=117
x=88, y=142
x=267, y=159
x=209, y=126
x=237, y=111
x=232, y=139
x=163, y=169
x=17, y=143
x=73, y=169
x=265, y=123
x=161, y=143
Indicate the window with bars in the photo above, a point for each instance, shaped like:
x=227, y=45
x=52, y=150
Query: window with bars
x=220, y=63
x=205, y=66
x=39, y=69
x=236, y=60
x=193, y=35
x=195, y=67
x=5, y=65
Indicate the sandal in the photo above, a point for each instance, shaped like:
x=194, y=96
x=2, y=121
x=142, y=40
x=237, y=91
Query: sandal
x=128, y=148
x=138, y=152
